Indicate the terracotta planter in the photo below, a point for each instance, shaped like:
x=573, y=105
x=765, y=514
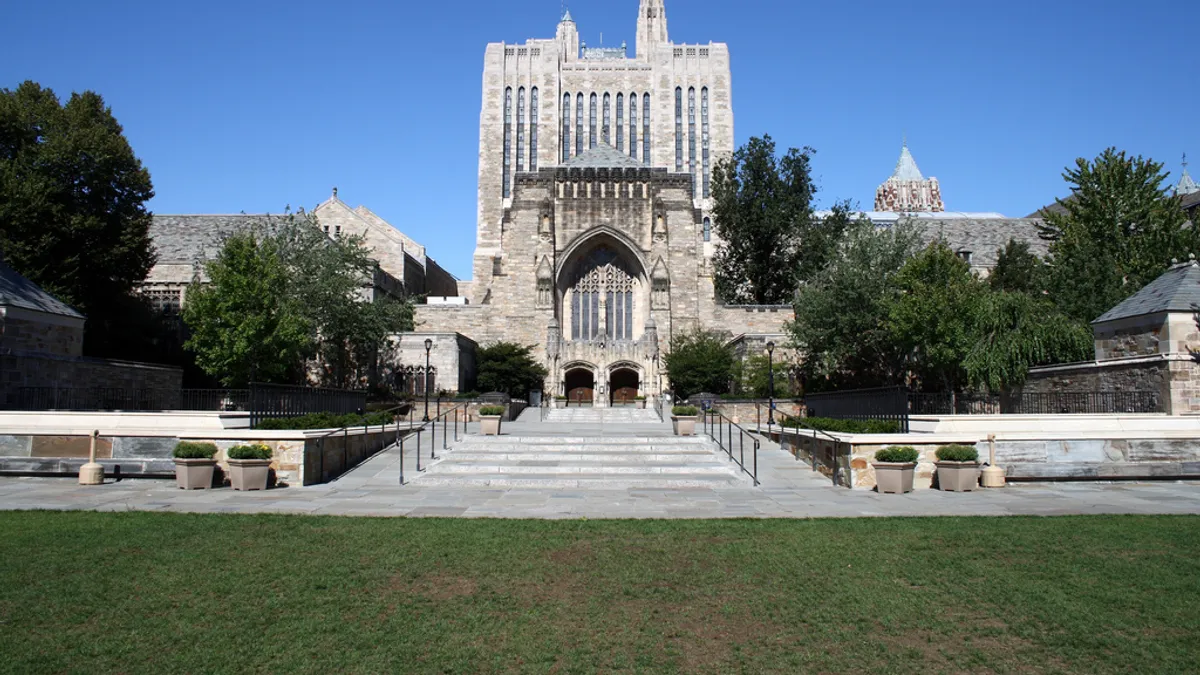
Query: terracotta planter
x=249, y=474
x=958, y=476
x=489, y=425
x=894, y=478
x=683, y=426
x=194, y=474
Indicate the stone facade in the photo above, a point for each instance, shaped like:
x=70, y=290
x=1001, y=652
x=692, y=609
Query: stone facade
x=907, y=191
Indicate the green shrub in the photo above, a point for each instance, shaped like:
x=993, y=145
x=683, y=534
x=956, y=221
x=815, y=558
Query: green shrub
x=252, y=451
x=684, y=411
x=491, y=410
x=897, y=453
x=326, y=420
x=193, y=450
x=958, y=453
x=843, y=426
x=467, y=395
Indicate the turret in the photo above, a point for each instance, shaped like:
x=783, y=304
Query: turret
x=568, y=37
x=651, y=28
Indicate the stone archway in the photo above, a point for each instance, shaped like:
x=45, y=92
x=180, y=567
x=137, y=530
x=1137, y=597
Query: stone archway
x=580, y=386
x=624, y=385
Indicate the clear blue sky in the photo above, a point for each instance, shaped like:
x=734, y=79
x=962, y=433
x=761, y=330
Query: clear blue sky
x=254, y=105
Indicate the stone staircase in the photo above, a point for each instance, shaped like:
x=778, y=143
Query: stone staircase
x=584, y=462
x=602, y=416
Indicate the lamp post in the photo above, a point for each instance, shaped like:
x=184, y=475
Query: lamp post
x=428, y=346
x=770, y=384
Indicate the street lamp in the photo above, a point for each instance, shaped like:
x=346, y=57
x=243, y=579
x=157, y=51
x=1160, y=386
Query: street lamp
x=428, y=346
x=770, y=384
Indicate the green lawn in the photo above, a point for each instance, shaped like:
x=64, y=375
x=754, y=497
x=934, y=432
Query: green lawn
x=156, y=593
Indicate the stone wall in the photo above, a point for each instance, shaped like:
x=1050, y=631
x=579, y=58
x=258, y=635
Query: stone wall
x=23, y=330
x=453, y=356
x=752, y=412
x=1147, y=374
x=1138, y=336
x=18, y=371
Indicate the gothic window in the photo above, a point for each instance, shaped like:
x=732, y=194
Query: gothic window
x=164, y=301
x=692, y=136
x=633, y=126
x=592, y=122
x=646, y=129
x=507, y=140
x=606, y=121
x=416, y=380
x=566, y=127
x=707, y=229
x=620, y=122
x=579, y=124
x=533, y=128
x=705, y=176
x=678, y=130
x=603, y=280
x=520, y=129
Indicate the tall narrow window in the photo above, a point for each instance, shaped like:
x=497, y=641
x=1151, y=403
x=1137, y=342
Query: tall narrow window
x=704, y=171
x=620, y=122
x=579, y=124
x=575, y=314
x=606, y=121
x=646, y=129
x=609, y=319
x=521, y=130
x=507, y=140
x=678, y=130
x=592, y=121
x=566, y=127
x=533, y=128
x=692, y=137
x=628, y=315
x=707, y=229
x=633, y=146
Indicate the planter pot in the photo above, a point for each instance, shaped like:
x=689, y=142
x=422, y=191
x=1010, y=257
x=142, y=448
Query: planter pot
x=194, y=474
x=489, y=425
x=683, y=426
x=249, y=474
x=894, y=478
x=958, y=476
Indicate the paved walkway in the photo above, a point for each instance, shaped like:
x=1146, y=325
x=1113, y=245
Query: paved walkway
x=789, y=490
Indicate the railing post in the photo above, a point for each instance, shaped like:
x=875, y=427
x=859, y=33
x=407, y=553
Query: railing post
x=756, y=461
x=400, y=440
x=419, y=469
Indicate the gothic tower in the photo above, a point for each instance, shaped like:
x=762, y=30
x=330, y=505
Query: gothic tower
x=568, y=38
x=651, y=28
x=907, y=191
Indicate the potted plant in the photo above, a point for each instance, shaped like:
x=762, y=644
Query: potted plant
x=894, y=469
x=489, y=419
x=958, y=468
x=194, y=465
x=249, y=466
x=683, y=420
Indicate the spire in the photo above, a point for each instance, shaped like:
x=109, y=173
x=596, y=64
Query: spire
x=1186, y=185
x=651, y=27
x=906, y=166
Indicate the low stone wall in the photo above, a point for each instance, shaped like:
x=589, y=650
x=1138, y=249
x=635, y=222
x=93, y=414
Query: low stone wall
x=752, y=411
x=1175, y=378
x=25, y=370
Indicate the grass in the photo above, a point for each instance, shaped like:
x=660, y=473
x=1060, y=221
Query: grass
x=161, y=593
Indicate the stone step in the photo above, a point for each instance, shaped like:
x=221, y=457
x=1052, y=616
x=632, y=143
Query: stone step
x=481, y=455
x=571, y=468
x=589, y=441
x=590, y=481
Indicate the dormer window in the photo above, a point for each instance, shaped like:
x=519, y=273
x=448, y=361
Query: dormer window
x=965, y=256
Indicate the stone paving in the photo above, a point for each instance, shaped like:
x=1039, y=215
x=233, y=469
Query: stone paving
x=789, y=490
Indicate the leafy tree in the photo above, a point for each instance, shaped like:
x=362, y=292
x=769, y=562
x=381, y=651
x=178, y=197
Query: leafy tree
x=1018, y=270
x=699, y=361
x=819, y=238
x=1116, y=233
x=1015, y=331
x=72, y=207
x=754, y=380
x=841, y=321
x=761, y=209
x=246, y=324
x=933, y=314
x=510, y=368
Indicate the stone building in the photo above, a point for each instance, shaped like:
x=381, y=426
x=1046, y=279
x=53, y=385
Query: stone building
x=594, y=239
x=907, y=191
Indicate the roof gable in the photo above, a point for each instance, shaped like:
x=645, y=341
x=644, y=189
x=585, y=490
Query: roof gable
x=603, y=156
x=17, y=291
x=1178, y=290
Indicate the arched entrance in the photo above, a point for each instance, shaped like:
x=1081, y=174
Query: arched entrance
x=580, y=385
x=623, y=385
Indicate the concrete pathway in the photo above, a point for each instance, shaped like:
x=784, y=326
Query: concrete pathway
x=789, y=490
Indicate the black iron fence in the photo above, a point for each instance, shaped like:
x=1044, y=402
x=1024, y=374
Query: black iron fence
x=1040, y=403
x=885, y=403
x=269, y=401
x=117, y=398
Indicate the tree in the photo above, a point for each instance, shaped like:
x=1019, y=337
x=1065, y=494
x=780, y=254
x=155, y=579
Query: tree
x=1018, y=270
x=699, y=361
x=510, y=368
x=761, y=209
x=1117, y=232
x=72, y=207
x=753, y=376
x=819, y=238
x=932, y=316
x=1014, y=332
x=841, y=324
x=246, y=324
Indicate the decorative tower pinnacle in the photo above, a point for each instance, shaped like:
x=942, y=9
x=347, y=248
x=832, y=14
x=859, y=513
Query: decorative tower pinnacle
x=1186, y=185
x=568, y=36
x=651, y=27
x=907, y=191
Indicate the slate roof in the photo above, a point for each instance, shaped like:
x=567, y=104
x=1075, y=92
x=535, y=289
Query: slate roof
x=603, y=156
x=17, y=291
x=1178, y=290
x=983, y=237
x=190, y=239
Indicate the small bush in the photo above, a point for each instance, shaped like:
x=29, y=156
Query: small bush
x=843, y=426
x=491, y=410
x=467, y=395
x=684, y=411
x=958, y=453
x=897, y=453
x=326, y=420
x=253, y=451
x=193, y=450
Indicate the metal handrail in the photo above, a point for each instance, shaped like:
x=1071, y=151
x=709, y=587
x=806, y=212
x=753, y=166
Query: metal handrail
x=836, y=441
x=432, y=425
x=713, y=427
x=345, y=432
x=659, y=402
